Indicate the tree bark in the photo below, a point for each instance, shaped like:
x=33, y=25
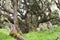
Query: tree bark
x=14, y=27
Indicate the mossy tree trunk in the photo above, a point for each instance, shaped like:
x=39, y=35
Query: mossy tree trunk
x=14, y=27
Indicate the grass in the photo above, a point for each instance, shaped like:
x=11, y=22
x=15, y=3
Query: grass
x=4, y=35
x=46, y=35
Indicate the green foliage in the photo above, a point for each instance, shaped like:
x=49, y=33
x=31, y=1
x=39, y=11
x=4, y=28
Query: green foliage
x=4, y=35
x=46, y=35
x=35, y=35
x=54, y=14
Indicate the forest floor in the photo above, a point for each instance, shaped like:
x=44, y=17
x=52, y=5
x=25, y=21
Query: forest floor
x=38, y=35
x=4, y=35
x=45, y=35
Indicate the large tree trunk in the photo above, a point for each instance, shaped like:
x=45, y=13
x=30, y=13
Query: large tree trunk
x=14, y=27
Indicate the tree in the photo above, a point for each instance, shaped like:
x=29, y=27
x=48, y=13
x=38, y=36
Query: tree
x=29, y=13
x=14, y=27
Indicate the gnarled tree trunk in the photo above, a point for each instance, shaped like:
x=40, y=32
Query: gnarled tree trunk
x=14, y=27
